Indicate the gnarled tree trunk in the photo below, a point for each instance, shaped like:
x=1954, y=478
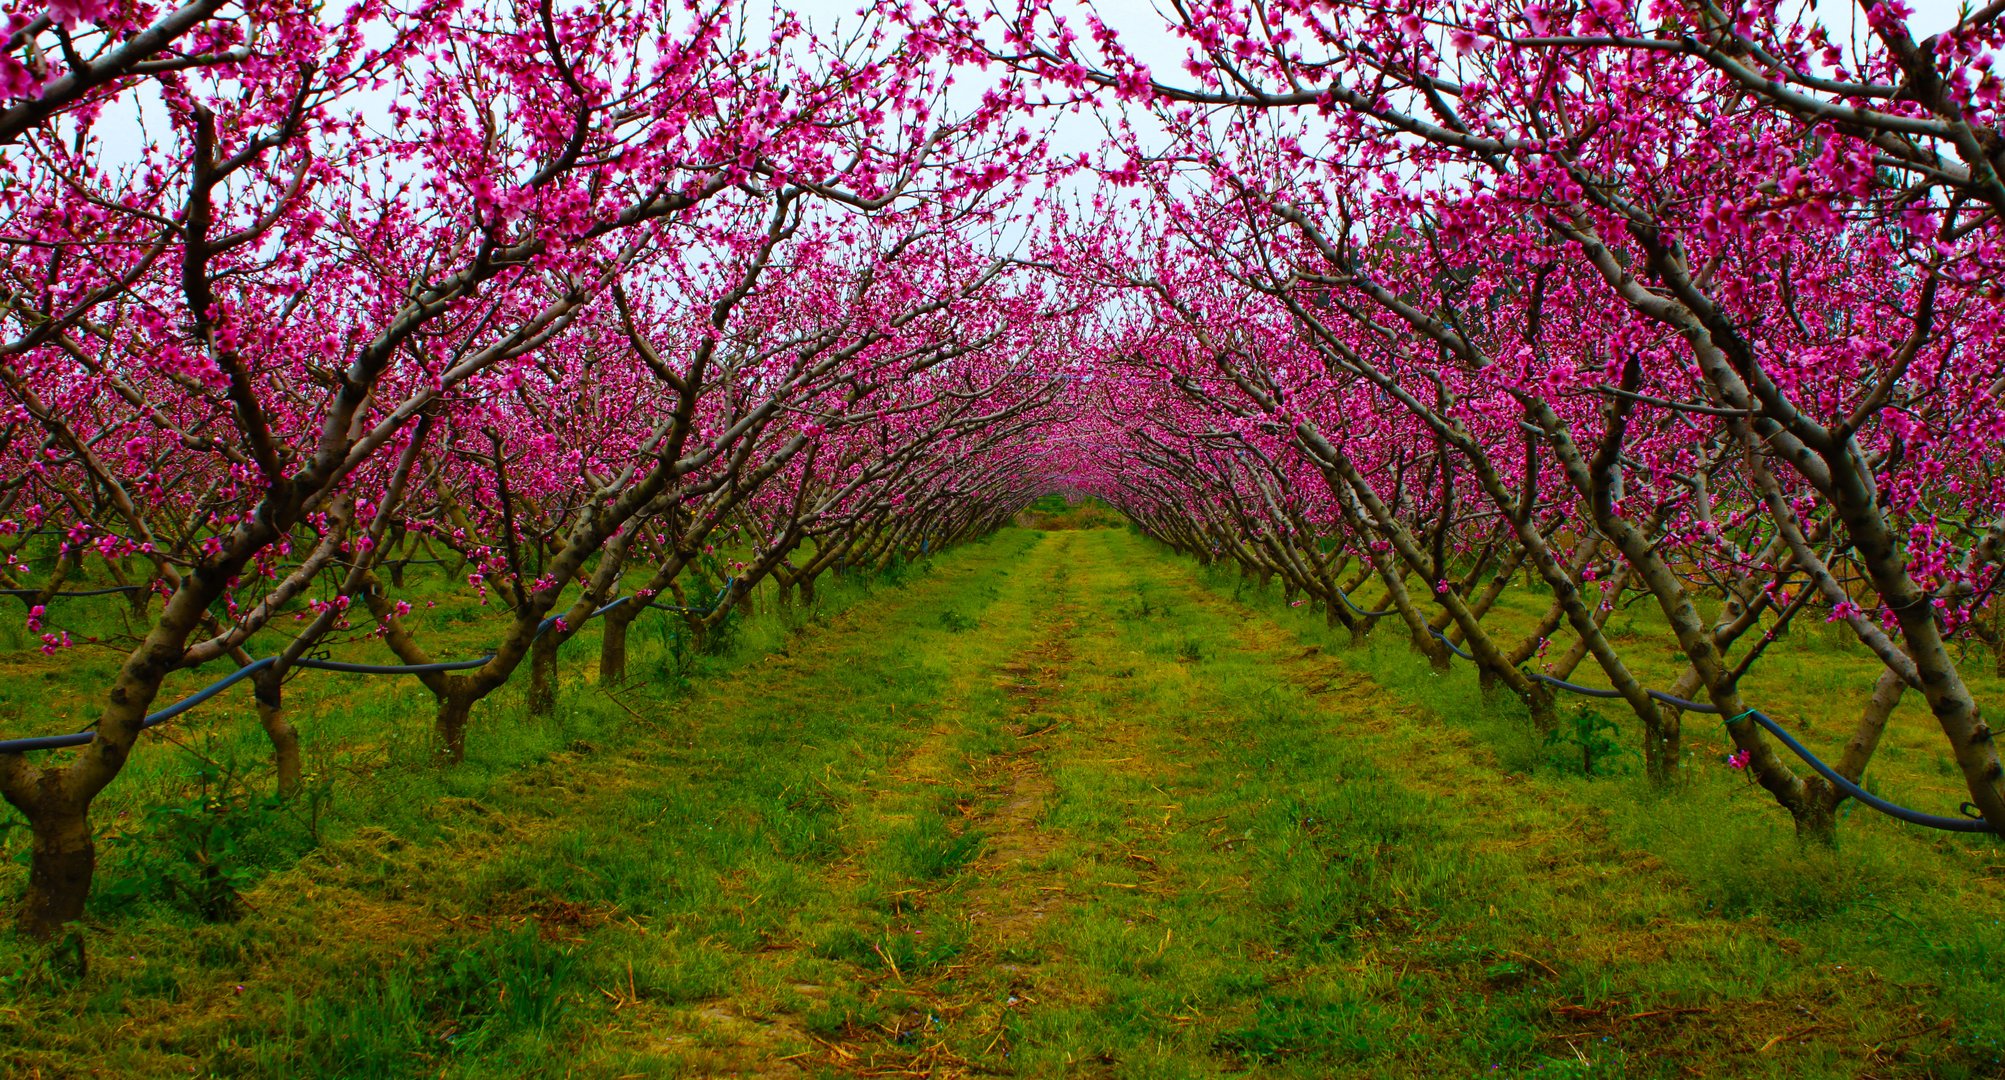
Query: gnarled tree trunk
x=268, y=687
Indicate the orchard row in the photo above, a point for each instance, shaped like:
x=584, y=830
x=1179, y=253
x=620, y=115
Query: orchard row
x=1681, y=300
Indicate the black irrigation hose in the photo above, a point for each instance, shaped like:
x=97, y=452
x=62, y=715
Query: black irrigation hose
x=1838, y=780
x=71, y=594
x=1967, y=824
x=25, y=593
x=154, y=719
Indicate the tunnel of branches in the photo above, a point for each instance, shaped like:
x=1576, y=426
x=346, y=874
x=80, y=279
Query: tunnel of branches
x=635, y=311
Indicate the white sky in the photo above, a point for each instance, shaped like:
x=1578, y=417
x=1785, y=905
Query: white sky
x=1143, y=29
x=1144, y=32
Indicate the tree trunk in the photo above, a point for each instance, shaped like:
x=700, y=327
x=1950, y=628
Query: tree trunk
x=59, y=873
x=1438, y=658
x=1859, y=749
x=268, y=687
x=1663, y=746
x=1818, y=822
x=613, y=646
x=1544, y=710
x=454, y=709
x=543, y=674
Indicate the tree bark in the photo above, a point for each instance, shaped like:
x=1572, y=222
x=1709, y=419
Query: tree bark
x=62, y=860
x=543, y=674
x=268, y=688
x=1887, y=693
x=613, y=644
x=455, y=706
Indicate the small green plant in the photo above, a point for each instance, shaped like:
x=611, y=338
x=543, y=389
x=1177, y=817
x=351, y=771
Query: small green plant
x=1283, y=1027
x=899, y=950
x=61, y=964
x=1585, y=744
x=1190, y=651
x=499, y=996
x=678, y=659
x=721, y=637
x=956, y=623
x=1142, y=608
x=1505, y=973
x=926, y=850
x=199, y=852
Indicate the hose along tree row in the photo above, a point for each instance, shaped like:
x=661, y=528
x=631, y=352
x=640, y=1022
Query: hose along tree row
x=605, y=299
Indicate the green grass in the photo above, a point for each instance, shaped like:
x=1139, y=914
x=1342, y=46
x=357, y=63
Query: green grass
x=1059, y=806
x=1053, y=512
x=1814, y=679
x=1892, y=906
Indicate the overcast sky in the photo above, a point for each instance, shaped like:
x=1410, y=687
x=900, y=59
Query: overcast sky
x=1144, y=32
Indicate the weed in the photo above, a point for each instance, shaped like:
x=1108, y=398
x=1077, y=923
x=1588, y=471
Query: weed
x=721, y=637
x=200, y=851
x=956, y=623
x=59, y=965
x=1585, y=744
x=900, y=951
x=893, y=572
x=1143, y=607
x=1285, y=1026
x=1055, y=513
x=505, y=996
x=676, y=658
x=926, y=850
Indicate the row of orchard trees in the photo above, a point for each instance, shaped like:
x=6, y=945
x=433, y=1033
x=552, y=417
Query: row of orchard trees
x=573, y=294
x=1695, y=298
x=1685, y=298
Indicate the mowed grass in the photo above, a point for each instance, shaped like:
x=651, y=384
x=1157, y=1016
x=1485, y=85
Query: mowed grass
x=1815, y=678
x=1061, y=806
x=354, y=876
x=350, y=723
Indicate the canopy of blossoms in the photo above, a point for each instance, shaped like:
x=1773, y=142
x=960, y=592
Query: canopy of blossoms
x=1694, y=300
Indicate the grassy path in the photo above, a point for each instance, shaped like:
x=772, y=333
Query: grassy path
x=1053, y=809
